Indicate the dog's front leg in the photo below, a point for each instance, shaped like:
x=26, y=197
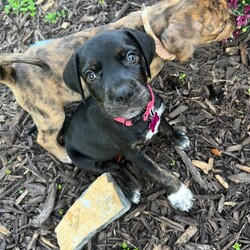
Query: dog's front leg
x=121, y=175
x=177, y=137
x=178, y=194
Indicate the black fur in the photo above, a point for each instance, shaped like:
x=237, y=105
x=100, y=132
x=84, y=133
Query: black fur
x=118, y=61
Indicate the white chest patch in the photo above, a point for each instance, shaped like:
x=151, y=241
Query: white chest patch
x=155, y=124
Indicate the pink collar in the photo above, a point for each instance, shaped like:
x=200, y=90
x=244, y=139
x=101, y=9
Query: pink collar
x=145, y=116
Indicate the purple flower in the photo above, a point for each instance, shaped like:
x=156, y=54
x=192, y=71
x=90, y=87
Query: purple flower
x=247, y=9
x=233, y=4
x=236, y=34
x=242, y=20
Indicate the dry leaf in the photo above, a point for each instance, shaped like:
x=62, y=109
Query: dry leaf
x=221, y=181
x=4, y=230
x=215, y=151
x=243, y=168
x=48, y=5
x=205, y=167
x=65, y=25
x=211, y=162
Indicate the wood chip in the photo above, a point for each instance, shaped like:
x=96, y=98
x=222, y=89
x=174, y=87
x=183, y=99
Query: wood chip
x=49, y=4
x=230, y=203
x=170, y=223
x=87, y=18
x=211, y=106
x=234, y=148
x=247, y=141
x=21, y=197
x=4, y=230
x=211, y=162
x=179, y=110
x=196, y=246
x=39, y=2
x=195, y=173
x=2, y=118
x=221, y=181
x=65, y=25
x=32, y=243
x=47, y=208
x=205, y=167
x=243, y=54
x=187, y=235
x=48, y=243
x=240, y=178
x=232, y=50
x=243, y=168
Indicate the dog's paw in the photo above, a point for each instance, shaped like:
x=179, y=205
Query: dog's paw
x=181, y=140
x=136, y=196
x=182, y=199
x=133, y=195
x=66, y=159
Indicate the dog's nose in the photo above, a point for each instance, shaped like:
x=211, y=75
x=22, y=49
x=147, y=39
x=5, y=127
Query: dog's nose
x=124, y=93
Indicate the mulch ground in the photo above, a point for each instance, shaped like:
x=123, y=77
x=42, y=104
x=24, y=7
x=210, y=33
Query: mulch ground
x=211, y=103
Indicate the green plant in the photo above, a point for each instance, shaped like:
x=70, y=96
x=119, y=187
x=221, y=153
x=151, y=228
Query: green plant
x=61, y=212
x=236, y=246
x=241, y=10
x=182, y=76
x=102, y=2
x=23, y=6
x=59, y=186
x=124, y=246
x=54, y=16
x=8, y=171
x=173, y=162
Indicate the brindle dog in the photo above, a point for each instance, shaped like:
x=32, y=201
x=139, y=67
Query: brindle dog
x=177, y=25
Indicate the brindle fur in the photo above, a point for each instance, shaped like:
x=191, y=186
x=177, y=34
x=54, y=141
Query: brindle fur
x=181, y=25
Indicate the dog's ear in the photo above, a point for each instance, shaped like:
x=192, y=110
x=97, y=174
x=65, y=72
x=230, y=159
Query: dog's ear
x=71, y=75
x=146, y=45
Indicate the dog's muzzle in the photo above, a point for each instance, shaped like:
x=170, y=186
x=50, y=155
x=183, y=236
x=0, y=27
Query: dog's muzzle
x=148, y=114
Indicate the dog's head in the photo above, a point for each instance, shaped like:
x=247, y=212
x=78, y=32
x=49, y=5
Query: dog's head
x=196, y=22
x=115, y=66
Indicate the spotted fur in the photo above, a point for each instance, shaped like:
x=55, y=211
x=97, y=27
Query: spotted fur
x=181, y=25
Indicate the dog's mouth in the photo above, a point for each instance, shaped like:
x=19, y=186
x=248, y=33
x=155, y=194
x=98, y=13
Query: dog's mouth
x=129, y=110
x=142, y=115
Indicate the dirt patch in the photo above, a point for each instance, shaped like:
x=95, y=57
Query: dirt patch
x=208, y=97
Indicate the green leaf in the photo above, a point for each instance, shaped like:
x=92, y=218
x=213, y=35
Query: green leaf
x=59, y=186
x=8, y=171
x=21, y=190
x=182, y=76
x=236, y=246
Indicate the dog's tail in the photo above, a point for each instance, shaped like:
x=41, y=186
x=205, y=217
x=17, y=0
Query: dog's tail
x=7, y=73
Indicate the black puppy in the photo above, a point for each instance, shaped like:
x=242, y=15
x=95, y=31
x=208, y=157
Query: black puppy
x=122, y=113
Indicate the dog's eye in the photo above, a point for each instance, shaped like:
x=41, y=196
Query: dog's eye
x=132, y=58
x=90, y=76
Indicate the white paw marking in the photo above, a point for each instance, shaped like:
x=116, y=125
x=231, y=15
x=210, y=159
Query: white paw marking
x=185, y=142
x=136, y=196
x=182, y=199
